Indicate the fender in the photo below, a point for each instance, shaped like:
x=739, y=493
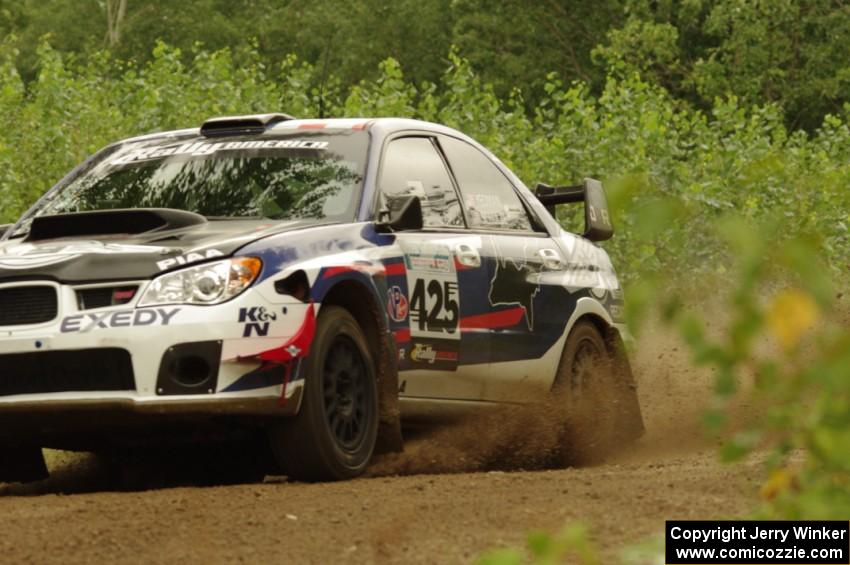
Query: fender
x=586, y=306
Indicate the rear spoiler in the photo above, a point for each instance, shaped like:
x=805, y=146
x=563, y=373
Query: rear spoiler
x=597, y=220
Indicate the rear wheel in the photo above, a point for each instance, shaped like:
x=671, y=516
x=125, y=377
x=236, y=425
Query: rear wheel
x=333, y=435
x=586, y=382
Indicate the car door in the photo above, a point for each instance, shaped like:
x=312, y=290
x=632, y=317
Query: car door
x=526, y=307
x=441, y=277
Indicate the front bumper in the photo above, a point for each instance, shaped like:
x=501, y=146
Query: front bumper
x=86, y=425
x=206, y=406
x=237, y=383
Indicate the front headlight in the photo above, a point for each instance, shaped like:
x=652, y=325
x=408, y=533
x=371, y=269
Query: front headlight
x=210, y=283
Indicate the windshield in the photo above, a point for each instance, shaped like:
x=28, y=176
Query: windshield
x=298, y=176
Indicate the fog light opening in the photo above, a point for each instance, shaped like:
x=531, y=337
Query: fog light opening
x=190, y=371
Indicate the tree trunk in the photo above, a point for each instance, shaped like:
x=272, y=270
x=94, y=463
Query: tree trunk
x=115, y=12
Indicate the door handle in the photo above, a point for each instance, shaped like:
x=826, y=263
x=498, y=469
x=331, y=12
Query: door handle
x=467, y=255
x=551, y=260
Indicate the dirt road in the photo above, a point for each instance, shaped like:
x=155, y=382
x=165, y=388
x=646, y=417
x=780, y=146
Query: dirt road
x=442, y=509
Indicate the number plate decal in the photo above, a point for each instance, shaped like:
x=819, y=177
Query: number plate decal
x=434, y=297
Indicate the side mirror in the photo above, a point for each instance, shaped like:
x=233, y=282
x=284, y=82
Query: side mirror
x=597, y=219
x=400, y=214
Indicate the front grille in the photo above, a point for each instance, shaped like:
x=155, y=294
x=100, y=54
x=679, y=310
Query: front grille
x=101, y=297
x=106, y=369
x=23, y=305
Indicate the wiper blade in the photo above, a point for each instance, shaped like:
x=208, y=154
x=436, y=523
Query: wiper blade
x=235, y=218
x=5, y=230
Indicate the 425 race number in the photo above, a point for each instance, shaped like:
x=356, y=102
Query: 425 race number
x=434, y=307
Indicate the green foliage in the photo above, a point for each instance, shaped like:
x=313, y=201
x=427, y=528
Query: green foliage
x=515, y=44
x=793, y=53
x=348, y=38
x=780, y=334
x=670, y=170
x=646, y=46
x=571, y=544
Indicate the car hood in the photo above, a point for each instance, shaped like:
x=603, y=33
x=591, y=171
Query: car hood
x=116, y=257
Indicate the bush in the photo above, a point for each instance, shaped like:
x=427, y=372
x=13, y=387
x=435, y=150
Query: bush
x=634, y=137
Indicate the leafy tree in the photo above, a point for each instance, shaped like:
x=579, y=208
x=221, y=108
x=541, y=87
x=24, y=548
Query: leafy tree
x=791, y=53
x=516, y=44
x=347, y=38
x=794, y=53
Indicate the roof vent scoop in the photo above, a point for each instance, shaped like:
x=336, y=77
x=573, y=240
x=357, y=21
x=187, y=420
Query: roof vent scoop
x=240, y=125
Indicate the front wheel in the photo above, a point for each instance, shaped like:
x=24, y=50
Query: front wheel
x=333, y=435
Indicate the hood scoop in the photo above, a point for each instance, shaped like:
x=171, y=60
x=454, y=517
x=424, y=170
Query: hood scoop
x=111, y=222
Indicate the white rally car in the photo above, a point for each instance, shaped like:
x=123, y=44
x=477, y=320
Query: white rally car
x=308, y=282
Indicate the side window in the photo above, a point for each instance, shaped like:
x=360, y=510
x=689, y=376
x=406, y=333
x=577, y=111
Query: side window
x=412, y=165
x=491, y=200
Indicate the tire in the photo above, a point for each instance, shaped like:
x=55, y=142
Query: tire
x=587, y=384
x=334, y=434
x=22, y=465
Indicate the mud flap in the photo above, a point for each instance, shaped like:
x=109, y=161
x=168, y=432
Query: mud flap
x=389, y=416
x=22, y=465
x=630, y=425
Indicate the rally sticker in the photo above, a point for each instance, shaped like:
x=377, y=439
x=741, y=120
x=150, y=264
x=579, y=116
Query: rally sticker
x=194, y=257
x=84, y=323
x=426, y=353
x=434, y=297
x=397, y=306
x=433, y=355
x=257, y=321
x=203, y=149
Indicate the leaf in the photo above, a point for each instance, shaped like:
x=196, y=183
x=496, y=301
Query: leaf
x=500, y=557
x=790, y=315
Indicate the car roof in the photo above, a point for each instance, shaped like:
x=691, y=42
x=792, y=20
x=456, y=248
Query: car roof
x=385, y=125
x=380, y=128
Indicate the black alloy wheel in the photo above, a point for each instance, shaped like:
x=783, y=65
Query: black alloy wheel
x=334, y=433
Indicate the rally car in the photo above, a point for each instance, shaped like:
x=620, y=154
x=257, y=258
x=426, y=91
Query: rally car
x=310, y=282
